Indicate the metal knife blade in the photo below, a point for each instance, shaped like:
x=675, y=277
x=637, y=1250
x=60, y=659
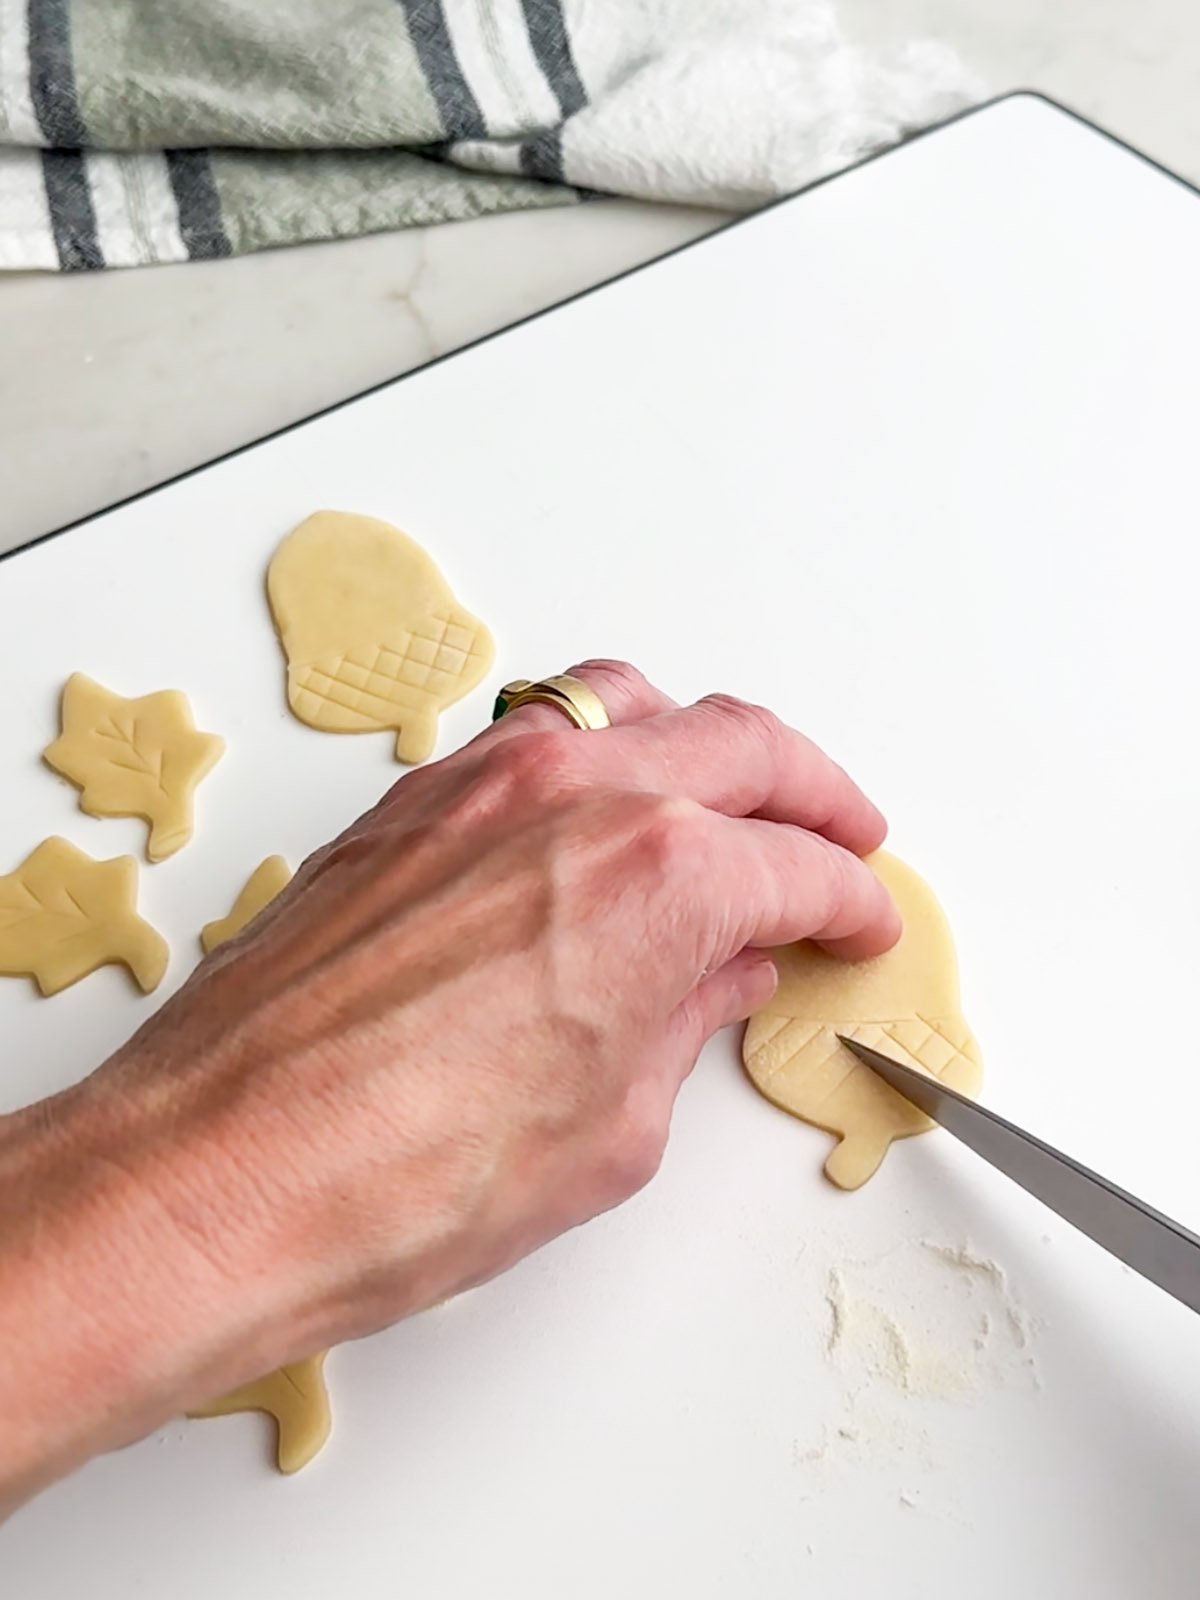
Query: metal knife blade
x=1152, y=1244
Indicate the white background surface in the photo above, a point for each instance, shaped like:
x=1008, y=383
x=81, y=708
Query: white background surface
x=910, y=459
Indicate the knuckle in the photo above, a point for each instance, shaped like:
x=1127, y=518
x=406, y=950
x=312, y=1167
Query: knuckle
x=835, y=878
x=325, y=858
x=636, y=1146
x=744, y=714
x=532, y=767
x=619, y=675
x=672, y=835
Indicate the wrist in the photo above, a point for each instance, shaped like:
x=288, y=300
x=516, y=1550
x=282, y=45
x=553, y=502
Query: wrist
x=134, y=1281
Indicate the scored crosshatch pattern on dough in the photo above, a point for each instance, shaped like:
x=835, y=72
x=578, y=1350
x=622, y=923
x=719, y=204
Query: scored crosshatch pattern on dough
x=904, y=1004
x=429, y=661
x=930, y=1045
x=373, y=636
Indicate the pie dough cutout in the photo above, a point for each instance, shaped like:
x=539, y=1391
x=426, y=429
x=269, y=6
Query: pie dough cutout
x=134, y=758
x=296, y=1395
x=905, y=1003
x=264, y=883
x=63, y=914
x=373, y=636
x=298, y=1400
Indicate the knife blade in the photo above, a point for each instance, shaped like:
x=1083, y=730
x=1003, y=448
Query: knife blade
x=1152, y=1244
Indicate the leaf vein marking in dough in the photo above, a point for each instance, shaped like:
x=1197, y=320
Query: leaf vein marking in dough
x=19, y=918
x=288, y=1379
x=128, y=738
x=140, y=757
x=68, y=938
x=79, y=909
x=39, y=911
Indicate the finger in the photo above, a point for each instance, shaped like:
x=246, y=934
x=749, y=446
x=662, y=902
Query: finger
x=792, y=884
x=743, y=761
x=734, y=992
x=626, y=694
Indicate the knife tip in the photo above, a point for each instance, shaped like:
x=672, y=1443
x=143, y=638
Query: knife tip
x=864, y=1052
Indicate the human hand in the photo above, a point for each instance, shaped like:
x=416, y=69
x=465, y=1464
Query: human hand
x=462, y=1028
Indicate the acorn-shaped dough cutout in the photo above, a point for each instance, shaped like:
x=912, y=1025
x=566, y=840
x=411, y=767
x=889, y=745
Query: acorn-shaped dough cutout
x=374, y=637
x=905, y=1004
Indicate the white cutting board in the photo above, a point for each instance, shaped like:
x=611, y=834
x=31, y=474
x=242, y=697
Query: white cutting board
x=911, y=458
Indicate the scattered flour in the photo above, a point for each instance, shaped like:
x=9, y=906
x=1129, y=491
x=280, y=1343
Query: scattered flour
x=922, y=1324
x=926, y=1318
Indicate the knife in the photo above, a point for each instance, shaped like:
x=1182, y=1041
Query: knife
x=1163, y=1251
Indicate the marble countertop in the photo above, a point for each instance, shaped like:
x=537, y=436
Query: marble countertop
x=116, y=381
x=113, y=382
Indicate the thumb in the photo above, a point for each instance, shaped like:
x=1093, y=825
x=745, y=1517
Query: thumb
x=730, y=994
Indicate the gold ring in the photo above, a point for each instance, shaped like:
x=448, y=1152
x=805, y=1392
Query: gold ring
x=577, y=701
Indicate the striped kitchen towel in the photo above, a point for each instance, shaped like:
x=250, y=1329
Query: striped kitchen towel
x=135, y=131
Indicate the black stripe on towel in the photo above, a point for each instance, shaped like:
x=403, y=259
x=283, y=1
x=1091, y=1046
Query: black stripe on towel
x=72, y=215
x=456, y=104
x=52, y=74
x=198, y=204
x=541, y=156
x=551, y=43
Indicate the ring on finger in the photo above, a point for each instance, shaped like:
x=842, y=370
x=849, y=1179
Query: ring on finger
x=577, y=701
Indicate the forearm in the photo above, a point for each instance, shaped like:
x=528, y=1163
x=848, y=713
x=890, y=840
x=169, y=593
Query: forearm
x=171, y=1230
x=131, y=1285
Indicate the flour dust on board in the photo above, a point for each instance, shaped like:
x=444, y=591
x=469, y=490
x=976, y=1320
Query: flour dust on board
x=916, y=1327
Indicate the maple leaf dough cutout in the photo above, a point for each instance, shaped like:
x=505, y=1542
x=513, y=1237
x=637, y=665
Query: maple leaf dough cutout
x=134, y=758
x=62, y=915
x=904, y=1003
x=373, y=636
x=296, y=1397
x=264, y=883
